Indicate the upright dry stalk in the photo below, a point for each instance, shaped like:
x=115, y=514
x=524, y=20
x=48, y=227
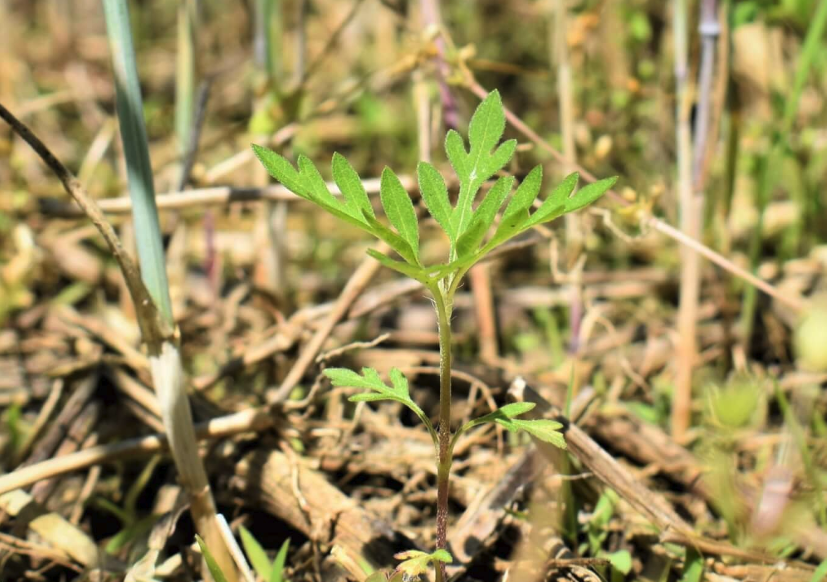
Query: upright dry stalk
x=692, y=201
x=560, y=56
x=431, y=17
x=574, y=227
x=165, y=359
x=690, y=225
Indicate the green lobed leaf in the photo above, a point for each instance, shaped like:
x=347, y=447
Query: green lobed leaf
x=486, y=128
x=516, y=214
x=435, y=194
x=545, y=430
x=621, y=561
x=417, y=563
x=372, y=376
x=255, y=553
x=315, y=184
x=374, y=397
x=343, y=377
x=526, y=193
x=416, y=273
x=399, y=381
x=457, y=154
x=484, y=133
x=492, y=164
x=351, y=186
x=399, y=208
x=277, y=571
x=212, y=565
x=395, y=241
x=554, y=205
x=408, y=554
x=308, y=184
x=397, y=391
x=484, y=216
x=589, y=194
x=282, y=170
x=509, y=411
x=370, y=379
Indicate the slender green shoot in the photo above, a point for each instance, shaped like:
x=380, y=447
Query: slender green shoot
x=472, y=231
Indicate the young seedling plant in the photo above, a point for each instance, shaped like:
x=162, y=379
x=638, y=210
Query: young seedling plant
x=466, y=227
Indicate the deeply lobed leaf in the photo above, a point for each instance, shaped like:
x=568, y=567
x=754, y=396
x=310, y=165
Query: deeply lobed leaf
x=477, y=165
x=399, y=210
x=509, y=411
x=543, y=429
x=484, y=216
x=417, y=563
x=553, y=206
x=465, y=227
x=435, y=193
x=351, y=186
x=398, y=390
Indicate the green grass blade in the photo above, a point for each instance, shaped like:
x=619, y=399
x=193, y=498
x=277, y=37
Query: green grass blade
x=277, y=571
x=820, y=574
x=139, y=170
x=212, y=565
x=693, y=567
x=255, y=553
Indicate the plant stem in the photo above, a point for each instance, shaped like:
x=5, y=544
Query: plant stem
x=443, y=308
x=164, y=355
x=690, y=225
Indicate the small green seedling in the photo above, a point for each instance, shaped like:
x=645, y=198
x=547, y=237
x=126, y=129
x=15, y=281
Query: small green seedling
x=255, y=555
x=466, y=227
x=258, y=558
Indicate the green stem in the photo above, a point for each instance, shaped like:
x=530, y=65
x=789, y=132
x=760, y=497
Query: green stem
x=444, y=306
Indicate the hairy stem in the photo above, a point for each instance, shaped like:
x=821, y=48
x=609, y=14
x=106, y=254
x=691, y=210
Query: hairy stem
x=443, y=307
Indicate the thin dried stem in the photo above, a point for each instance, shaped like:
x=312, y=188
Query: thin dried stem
x=690, y=217
x=154, y=329
x=253, y=420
